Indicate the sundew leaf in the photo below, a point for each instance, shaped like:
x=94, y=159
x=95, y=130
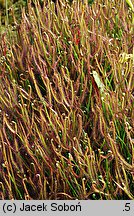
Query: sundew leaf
x=124, y=57
x=131, y=5
x=98, y=81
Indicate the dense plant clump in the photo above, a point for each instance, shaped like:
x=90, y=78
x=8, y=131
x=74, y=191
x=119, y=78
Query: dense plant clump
x=66, y=101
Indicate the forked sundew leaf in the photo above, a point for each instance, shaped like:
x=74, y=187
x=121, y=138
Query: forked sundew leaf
x=98, y=81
